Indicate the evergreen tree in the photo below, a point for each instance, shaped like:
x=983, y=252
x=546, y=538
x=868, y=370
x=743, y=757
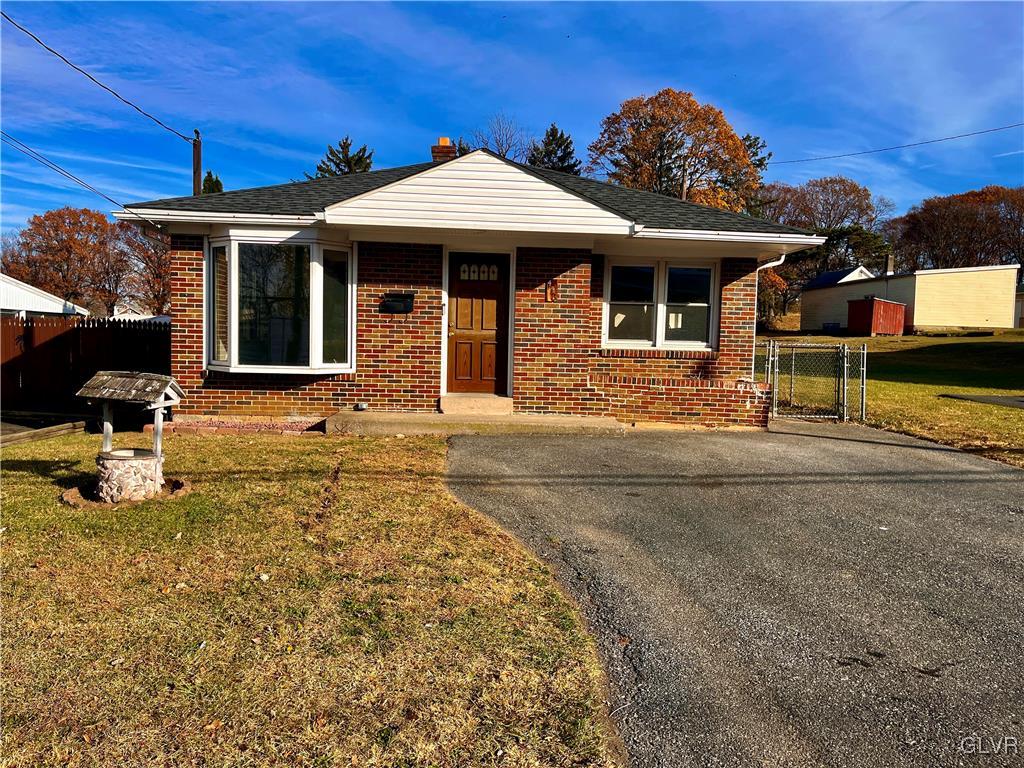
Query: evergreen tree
x=463, y=147
x=342, y=160
x=554, y=151
x=211, y=184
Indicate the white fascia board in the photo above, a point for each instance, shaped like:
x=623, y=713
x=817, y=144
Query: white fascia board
x=207, y=217
x=803, y=241
x=964, y=269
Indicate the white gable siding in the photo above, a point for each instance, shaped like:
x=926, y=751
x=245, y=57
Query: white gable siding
x=860, y=273
x=477, y=191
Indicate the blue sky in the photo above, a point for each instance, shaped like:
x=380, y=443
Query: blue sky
x=270, y=85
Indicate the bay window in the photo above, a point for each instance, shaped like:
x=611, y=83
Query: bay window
x=659, y=304
x=280, y=306
x=219, y=303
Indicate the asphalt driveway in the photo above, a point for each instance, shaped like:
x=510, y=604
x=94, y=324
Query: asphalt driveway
x=820, y=595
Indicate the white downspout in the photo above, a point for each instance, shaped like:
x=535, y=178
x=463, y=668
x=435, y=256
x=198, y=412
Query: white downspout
x=753, y=350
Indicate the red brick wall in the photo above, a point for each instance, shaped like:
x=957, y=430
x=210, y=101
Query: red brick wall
x=559, y=365
x=398, y=357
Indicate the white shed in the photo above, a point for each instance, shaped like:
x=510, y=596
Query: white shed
x=23, y=300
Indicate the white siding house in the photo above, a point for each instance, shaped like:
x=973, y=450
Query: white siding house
x=972, y=297
x=23, y=300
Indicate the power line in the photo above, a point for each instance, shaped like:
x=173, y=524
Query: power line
x=901, y=146
x=25, y=149
x=107, y=88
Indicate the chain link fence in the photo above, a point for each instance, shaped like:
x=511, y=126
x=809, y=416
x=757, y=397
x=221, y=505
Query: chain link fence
x=814, y=381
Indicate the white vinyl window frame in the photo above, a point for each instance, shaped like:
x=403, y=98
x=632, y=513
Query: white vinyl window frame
x=661, y=267
x=316, y=277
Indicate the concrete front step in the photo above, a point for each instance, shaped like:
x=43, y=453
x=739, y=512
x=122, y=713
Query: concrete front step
x=384, y=423
x=476, y=405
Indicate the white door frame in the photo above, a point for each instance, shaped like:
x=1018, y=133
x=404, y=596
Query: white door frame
x=462, y=248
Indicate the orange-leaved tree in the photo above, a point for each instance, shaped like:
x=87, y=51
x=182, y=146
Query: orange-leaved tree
x=671, y=144
x=59, y=252
x=81, y=256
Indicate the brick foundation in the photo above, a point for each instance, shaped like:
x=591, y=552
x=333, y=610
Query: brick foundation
x=558, y=364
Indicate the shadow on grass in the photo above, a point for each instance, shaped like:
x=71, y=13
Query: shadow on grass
x=987, y=365
x=65, y=473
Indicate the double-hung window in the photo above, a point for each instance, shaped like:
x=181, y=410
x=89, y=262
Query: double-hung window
x=660, y=304
x=280, y=306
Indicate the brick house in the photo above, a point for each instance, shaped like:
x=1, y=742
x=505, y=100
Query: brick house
x=465, y=278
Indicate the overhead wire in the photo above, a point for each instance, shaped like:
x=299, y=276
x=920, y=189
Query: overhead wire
x=25, y=149
x=899, y=146
x=105, y=87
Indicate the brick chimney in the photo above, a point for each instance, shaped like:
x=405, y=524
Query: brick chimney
x=443, y=150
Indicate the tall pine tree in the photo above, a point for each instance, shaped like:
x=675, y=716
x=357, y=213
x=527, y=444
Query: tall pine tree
x=211, y=184
x=342, y=160
x=554, y=151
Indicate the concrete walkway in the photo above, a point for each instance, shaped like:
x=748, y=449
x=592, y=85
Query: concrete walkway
x=818, y=595
x=384, y=423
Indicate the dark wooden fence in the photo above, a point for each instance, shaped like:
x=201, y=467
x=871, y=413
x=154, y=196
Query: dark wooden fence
x=45, y=360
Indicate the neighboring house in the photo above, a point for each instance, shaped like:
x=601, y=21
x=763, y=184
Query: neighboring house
x=18, y=299
x=1018, y=311
x=407, y=288
x=935, y=299
x=129, y=310
x=837, y=276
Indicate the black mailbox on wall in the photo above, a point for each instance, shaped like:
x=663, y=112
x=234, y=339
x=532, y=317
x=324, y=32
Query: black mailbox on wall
x=397, y=303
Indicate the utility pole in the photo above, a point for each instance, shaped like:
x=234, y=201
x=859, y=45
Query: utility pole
x=197, y=165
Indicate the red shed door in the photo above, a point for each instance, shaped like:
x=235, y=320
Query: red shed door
x=478, y=322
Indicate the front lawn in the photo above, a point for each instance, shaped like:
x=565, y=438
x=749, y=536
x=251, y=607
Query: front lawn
x=314, y=601
x=908, y=377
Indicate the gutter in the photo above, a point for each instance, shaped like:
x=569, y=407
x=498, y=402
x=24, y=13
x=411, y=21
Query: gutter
x=804, y=241
x=211, y=218
x=757, y=282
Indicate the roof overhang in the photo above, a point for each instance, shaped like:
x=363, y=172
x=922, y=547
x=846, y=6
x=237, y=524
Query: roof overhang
x=794, y=241
x=206, y=217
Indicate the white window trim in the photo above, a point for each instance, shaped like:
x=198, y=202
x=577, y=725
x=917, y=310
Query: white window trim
x=316, y=263
x=661, y=267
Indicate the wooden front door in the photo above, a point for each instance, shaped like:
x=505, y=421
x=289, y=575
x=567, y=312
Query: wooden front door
x=478, y=322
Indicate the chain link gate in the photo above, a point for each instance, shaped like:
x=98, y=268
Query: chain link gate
x=816, y=381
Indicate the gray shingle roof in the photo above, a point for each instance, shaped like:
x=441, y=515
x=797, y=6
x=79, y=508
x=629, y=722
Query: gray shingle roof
x=659, y=211
x=299, y=198
x=305, y=198
x=128, y=386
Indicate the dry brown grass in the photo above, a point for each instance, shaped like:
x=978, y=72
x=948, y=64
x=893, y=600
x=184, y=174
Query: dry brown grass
x=313, y=602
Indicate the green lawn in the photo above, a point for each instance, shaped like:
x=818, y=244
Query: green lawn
x=908, y=376
x=314, y=601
